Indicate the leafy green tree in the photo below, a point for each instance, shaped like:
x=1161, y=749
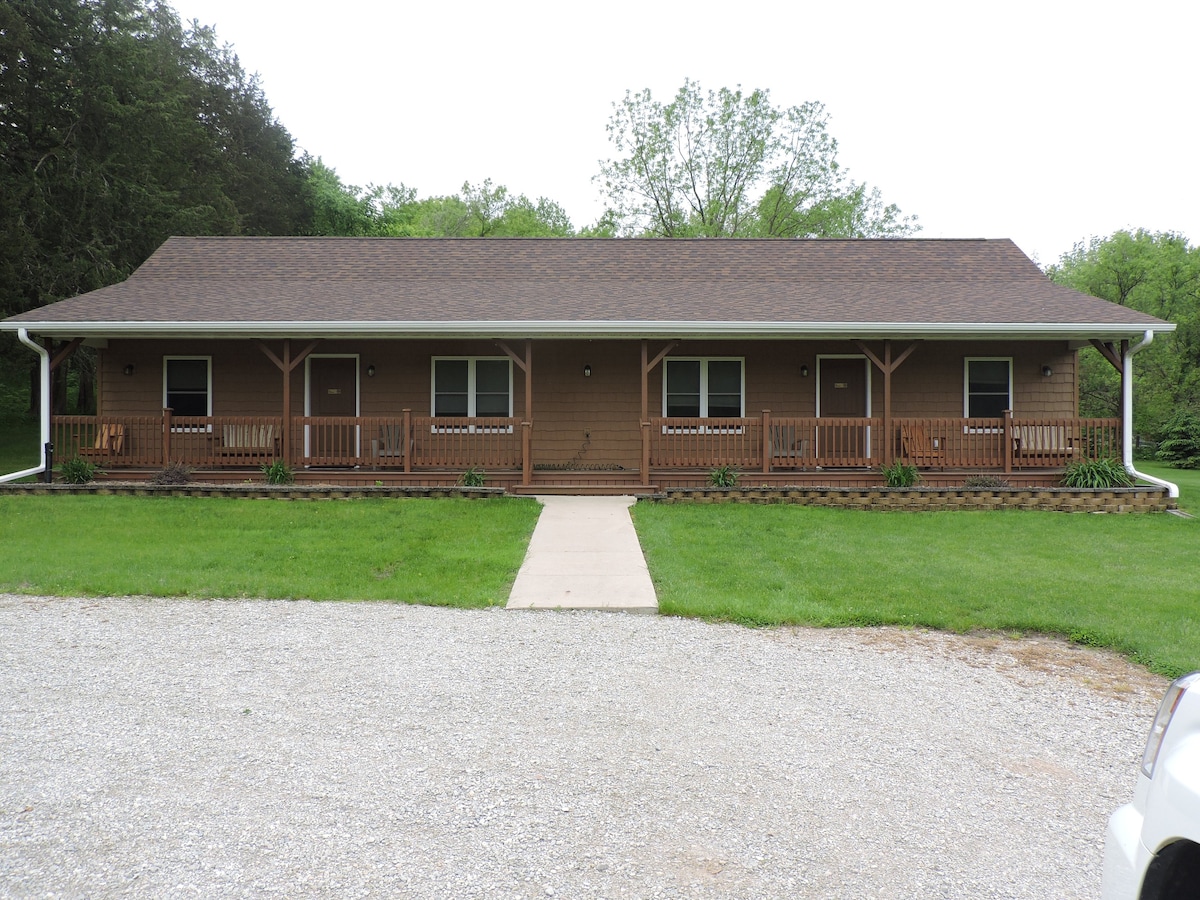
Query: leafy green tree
x=483, y=210
x=336, y=208
x=1157, y=273
x=728, y=164
x=119, y=128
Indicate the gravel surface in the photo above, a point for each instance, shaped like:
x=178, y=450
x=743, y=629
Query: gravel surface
x=260, y=749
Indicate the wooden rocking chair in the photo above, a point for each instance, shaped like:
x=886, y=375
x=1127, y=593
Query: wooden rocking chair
x=110, y=440
x=919, y=448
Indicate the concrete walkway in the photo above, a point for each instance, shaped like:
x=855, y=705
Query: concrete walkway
x=584, y=554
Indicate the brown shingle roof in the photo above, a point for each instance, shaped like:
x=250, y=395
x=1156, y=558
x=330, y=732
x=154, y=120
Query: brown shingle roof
x=564, y=286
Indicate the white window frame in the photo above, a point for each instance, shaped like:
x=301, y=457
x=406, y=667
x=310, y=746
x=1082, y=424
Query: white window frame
x=704, y=361
x=471, y=395
x=208, y=389
x=967, y=360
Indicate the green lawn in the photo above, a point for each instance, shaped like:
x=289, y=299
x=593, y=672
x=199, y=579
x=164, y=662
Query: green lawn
x=1187, y=479
x=1131, y=583
x=18, y=443
x=447, y=552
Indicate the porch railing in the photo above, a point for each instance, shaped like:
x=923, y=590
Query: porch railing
x=409, y=442
x=778, y=443
x=401, y=442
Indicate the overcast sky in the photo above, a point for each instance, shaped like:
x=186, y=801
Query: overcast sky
x=1047, y=122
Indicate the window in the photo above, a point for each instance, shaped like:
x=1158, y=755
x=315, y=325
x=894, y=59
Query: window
x=703, y=388
x=988, y=388
x=187, y=385
x=469, y=387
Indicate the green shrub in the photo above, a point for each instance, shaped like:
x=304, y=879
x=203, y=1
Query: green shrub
x=473, y=477
x=1096, y=473
x=984, y=482
x=724, y=477
x=1180, y=444
x=173, y=472
x=77, y=471
x=900, y=475
x=278, y=472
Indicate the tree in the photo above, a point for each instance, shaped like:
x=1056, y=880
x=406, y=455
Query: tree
x=484, y=210
x=119, y=128
x=725, y=164
x=1157, y=273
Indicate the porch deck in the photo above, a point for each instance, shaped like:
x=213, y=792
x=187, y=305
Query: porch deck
x=676, y=452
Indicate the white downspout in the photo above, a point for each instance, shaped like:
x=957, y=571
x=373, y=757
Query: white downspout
x=43, y=410
x=1127, y=419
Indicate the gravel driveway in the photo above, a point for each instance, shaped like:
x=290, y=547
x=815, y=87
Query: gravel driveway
x=260, y=749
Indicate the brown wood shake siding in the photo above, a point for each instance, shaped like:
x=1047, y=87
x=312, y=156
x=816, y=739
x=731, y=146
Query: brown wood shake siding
x=587, y=421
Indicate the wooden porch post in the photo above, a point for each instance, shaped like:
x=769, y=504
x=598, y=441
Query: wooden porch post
x=406, y=440
x=526, y=366
x=166, y=434
x=644, y=421
x=526, y=453
x=647, y=365
x=1008, y=442
x=645, y=452
x=286, y=421
x=889, y=443
x=287, y=365
x=527, y=425
x=887, y=366
x=766, y=441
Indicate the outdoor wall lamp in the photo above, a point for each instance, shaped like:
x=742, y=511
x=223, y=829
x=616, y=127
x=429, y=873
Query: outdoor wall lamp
x=129, y=369
x=1047, y=371
x=587, y=371
x=370, y=371
x=804, y=371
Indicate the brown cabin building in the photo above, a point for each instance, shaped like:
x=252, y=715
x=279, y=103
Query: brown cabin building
x=607, y=365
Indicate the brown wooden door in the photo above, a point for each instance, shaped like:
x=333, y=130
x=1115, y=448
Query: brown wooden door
x=333, y=392
x=843, y=386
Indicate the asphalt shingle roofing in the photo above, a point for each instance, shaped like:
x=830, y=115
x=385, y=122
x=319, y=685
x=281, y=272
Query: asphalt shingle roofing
x=516, y=287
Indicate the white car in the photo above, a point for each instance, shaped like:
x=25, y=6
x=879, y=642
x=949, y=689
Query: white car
x=1152, y=845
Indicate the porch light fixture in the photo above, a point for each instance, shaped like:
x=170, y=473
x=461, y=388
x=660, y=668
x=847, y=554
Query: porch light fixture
x=129, y=369
x=1047, y=371
x=587, y=371
x=370, y=371
x=804, y=371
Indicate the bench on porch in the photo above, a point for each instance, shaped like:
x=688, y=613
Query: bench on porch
x=1045, y=443
x=248, y=441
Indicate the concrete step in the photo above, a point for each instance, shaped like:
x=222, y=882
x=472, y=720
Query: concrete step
x=584, y=490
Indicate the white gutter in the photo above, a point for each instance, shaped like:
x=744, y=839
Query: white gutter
x=1127, y=419
x=44, y=408
x=576, y=329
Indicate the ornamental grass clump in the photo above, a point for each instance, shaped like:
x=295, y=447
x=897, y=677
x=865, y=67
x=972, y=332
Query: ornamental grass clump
x=77, y=471
x=900, y=475
x=1096, y=473
x=724, y=477
x=278, y=472
x=473, y=477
